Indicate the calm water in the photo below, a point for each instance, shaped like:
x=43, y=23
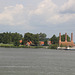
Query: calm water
x=21, y=61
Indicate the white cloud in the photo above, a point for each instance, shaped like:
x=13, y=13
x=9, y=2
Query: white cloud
x=51, y=13
x=46, y=12
x=13, y=15
x=61, y=18
x=68, y=7
x=46, y=6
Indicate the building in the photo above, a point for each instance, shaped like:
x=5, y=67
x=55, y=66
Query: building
x=49, y=42
x=65, y=43
x=20, y=41
x=29, y=43
x=41, y=43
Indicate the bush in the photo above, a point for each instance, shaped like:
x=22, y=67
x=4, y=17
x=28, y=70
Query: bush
x=53, y=46
x=16, y=43
x=45, y=43
x=6, y=45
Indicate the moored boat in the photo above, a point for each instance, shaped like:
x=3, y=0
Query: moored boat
x=70, y=48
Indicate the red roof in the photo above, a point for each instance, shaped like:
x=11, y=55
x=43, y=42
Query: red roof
x=20, y=41
x=41, y=42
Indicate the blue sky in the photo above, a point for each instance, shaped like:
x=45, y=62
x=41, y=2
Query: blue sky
x=35, y=16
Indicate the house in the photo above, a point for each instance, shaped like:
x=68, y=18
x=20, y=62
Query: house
x=29, y=43
x=20, y=41
x=41, y=43
x=49, y=42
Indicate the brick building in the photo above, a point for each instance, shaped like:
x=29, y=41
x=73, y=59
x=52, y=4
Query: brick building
x=65, y=43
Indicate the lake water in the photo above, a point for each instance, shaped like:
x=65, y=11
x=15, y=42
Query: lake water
x=23, y=61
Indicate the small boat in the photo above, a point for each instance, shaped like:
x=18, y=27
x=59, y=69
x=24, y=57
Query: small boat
x=61, y=48
x=70, y=48
x=66, y=48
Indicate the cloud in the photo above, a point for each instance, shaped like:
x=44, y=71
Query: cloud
x=68, y=7
x=46, y=13
x=13, y=15
x=51, y=13
x=61, y=18
x=46, y=6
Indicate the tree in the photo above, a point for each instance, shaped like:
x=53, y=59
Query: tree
x=54, y=39
x=46, y=42
x=16, y=43
x=28, y=37
x=23, y=41
x=1, y=38
x=34, y=38
x=17, y=37
x=63, y=38
x=8, y=38
x=42, y=36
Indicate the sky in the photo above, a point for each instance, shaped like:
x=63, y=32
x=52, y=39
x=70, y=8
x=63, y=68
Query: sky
x=35, y=16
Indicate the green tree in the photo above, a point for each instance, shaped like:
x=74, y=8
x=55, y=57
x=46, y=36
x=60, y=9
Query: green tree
x=36, y=39
x=54, y=39
x=16, y=43
x=46, y=42
x=1, y=38
x=28, y=37
x=8, y=38
x=23, y=41
x=17, y=37
x=63, y=38
x=42, y=36
x=31, y=37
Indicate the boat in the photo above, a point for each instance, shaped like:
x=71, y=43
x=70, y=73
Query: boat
x=61, y=48
x=70, y=48
x=65, y=48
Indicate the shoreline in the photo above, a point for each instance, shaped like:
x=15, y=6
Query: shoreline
x=53, y=46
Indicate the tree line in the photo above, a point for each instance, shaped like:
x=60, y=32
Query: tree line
x=14, y=38
x=10, y=38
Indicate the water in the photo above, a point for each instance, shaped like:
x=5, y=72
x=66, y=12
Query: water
x=20, y=61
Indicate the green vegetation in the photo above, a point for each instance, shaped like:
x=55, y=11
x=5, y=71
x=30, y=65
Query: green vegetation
x=53, y=46
x=6, y=45
x=13, y=40
x=20, y=46
x=54, y=39
x=63, y=38
x=42, y=36
x=34, y=38
x=45, y=43
x=9, y=38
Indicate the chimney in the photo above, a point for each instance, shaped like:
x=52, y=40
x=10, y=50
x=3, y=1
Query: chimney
x=71, y=37
x=59, y=37
x=65, y=37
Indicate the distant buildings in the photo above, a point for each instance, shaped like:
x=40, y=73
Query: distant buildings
x=41, y=43
x=49, y=43
x=65, y=43
x=20, y=41
x=29, y=43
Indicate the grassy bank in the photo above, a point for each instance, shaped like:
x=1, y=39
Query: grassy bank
x=20, y=46
x=6, y=45
x=53, y=46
